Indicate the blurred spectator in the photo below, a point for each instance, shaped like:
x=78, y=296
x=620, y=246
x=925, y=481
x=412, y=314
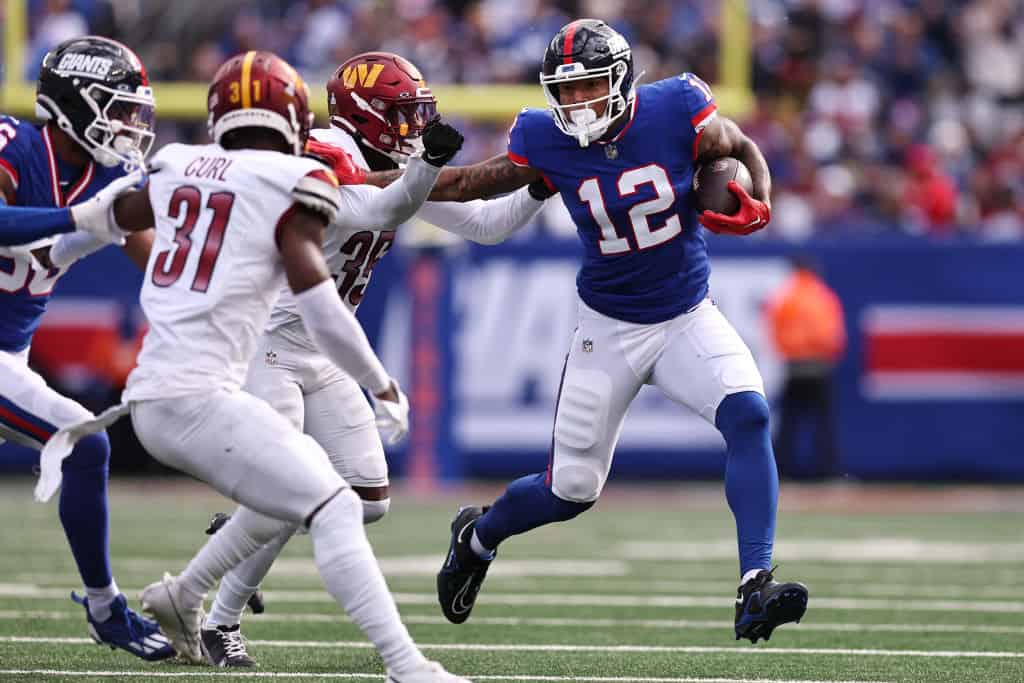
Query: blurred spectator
x=806, y=321
x=929, y=195
x=56, y=22
x=849, y=93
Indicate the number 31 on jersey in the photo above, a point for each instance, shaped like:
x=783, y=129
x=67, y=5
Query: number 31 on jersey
x=186, y=203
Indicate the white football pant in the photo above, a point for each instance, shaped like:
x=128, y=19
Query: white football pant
x=250, y=453
x=29, y=409
x=315, y=396
x=696, y=359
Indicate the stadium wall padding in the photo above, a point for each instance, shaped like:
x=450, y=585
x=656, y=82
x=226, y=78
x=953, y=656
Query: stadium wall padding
x=931, y=385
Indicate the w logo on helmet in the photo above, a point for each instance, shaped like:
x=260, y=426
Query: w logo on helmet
x=361, y=73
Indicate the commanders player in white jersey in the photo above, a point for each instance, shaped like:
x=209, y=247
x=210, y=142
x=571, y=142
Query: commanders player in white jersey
x=234, y=221
x=288, y=371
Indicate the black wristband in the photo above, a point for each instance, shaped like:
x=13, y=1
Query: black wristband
x=540, y=191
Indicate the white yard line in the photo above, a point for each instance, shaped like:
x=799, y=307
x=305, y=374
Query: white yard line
x=31, y=592
x=376, y=676
x=522, y=583
x=532, y=647
x=896, y=549
x=673, y=624
x=820, y=586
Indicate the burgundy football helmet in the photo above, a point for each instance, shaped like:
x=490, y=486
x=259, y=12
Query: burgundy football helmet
x=260, y=90
x=383, y=99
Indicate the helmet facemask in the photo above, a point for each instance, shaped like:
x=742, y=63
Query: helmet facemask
x=580, y=119
x=402, y=123
x=122, y=131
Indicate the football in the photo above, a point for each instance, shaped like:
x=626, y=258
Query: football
x=709, y=185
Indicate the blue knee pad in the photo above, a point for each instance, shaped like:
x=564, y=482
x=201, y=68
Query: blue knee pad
x=90, y=453
x=751, y=477
x=527, y=503
x=742, y=416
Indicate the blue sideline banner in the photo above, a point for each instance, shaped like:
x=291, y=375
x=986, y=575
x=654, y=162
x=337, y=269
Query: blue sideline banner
x=931, y=387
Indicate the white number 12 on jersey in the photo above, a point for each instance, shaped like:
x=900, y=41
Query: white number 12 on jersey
x=646, y=236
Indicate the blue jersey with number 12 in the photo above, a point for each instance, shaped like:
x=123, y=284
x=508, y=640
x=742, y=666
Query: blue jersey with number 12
x=40, y=179
x=645, y=260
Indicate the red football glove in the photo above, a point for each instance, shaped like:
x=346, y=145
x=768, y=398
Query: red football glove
x=751, y=217
x=338, y=160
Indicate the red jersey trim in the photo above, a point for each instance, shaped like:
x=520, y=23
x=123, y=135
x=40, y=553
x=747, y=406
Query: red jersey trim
x=518, y=160
x=51, y=159
x=82, y=183
x=326, y=176
x=700, y=119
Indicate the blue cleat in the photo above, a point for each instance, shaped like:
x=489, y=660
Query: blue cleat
x=762, y=604
x=127, y=630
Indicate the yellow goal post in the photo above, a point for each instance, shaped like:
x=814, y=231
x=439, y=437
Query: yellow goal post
x=496, y=103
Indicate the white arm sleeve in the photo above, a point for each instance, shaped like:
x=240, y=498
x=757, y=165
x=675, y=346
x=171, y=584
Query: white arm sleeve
x=368, y=207
x=73, y=246
x=337, y=333
x=483, y=221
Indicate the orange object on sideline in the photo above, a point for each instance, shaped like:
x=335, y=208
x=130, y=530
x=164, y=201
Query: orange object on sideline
x=806, y=319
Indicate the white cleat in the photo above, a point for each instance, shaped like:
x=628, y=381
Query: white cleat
x=179, y=620
x=430, y=672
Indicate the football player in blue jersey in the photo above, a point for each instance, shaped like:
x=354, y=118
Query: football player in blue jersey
x=623, y=160
x=97, y=108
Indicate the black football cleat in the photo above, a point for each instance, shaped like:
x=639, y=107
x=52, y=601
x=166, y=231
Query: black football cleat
x=762, y=604
x=218, y=520
x=224, y=647
x=463, y=571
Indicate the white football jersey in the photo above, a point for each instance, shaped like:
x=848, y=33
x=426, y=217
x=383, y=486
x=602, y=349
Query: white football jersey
x=350, y=252
x=215, y=272
x=353, y=248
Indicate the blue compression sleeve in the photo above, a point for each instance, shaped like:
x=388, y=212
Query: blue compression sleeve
x=21, y=225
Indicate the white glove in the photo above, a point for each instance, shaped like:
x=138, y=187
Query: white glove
x=96, y=214
x=392, y=417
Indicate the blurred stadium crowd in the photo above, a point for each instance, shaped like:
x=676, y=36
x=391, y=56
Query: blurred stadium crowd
x=877, y=116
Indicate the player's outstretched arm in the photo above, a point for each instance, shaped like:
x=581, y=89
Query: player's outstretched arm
x=70, y=248
x=368, y=207
x=133, y=211
x=484, y=221
x=333, y=328
x=22, y=225
x=495, y=176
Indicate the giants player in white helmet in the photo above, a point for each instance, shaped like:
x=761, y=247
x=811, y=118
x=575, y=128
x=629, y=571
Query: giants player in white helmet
x=234, y=221
x=379, y=106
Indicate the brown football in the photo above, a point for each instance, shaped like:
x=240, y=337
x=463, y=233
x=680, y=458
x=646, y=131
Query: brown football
x=709, y=185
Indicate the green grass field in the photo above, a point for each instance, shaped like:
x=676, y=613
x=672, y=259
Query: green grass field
x=907, y=584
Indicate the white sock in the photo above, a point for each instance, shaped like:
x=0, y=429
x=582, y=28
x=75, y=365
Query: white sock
x=240, y=583
x=244, y=534
x=749, y=575
x=100, y=599
x=229, y=603
x=353, y=578
x=483, y=552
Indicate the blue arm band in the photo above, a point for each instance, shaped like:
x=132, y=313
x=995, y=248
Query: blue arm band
x=21, y=224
